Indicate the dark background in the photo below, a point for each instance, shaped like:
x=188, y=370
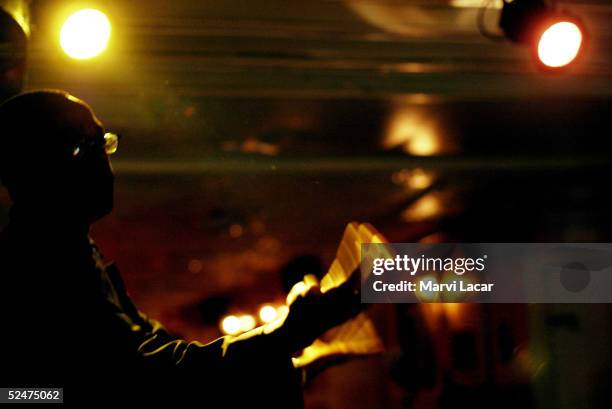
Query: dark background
x=253, y=131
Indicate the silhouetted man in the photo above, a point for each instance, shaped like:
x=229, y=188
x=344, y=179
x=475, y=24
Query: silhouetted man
x=67, y=320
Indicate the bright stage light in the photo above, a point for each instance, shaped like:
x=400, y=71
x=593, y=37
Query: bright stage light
x=247, y=323
x=560, y=44
x=85, y=34
x=556, y=37
x=231, y=325
x=267, y=314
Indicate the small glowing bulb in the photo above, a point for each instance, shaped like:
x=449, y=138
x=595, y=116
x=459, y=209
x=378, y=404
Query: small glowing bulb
x=247, y=323
x=267, y=314
x=231, y=325
x=559, y=44
x=85, y=34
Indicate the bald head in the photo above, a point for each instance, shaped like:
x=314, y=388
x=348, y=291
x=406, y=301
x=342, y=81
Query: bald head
x=40, y=131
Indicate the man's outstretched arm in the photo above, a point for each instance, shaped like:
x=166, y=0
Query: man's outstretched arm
x=258, y=362
x=254, y=364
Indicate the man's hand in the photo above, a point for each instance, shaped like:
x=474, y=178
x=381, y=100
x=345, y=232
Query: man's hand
x=311, y=312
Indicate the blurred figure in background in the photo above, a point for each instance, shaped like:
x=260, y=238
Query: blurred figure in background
x=13, y=51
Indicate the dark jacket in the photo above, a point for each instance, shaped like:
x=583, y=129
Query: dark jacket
x=67, y=321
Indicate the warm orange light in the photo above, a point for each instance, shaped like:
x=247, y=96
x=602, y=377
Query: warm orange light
x=235, y=231
x=414, y=179
x=560, y=44
x=414, y=132
x=426, y=208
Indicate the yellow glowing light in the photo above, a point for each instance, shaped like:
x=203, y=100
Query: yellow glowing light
x=424, y=144
x=413, y=132
x=425, y=208
x=560, y=44
x=247, y=323
x=267, y=314
x=283, y=311
x=453, y=312
x=494, y=4
x=298, y=289
x=231, y=325
x=414, y=179
x=85, y=34
x=419, y=179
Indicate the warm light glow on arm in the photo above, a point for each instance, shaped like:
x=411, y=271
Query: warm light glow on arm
x=247, y=323
x=231, y=325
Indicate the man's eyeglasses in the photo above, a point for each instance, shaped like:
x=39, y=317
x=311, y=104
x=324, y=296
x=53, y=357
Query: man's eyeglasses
x=109, y=143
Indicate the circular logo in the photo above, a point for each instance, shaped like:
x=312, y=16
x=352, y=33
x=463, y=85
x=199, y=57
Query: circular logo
x=575, y=276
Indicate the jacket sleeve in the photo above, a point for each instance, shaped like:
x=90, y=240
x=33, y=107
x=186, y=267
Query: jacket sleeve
x=255, y=364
